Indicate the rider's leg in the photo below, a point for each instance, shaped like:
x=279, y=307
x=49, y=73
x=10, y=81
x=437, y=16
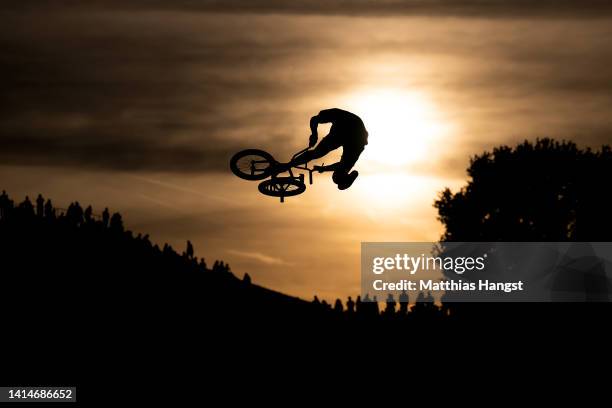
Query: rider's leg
x=343, y=177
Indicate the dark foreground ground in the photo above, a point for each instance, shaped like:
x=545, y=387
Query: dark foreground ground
x=86, y=303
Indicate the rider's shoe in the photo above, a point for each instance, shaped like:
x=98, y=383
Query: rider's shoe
x=349, y=180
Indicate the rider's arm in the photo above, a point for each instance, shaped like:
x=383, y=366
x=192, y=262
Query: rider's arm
x=314, y=122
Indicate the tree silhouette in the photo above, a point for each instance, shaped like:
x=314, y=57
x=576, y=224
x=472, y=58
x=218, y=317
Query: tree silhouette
x=542, y=191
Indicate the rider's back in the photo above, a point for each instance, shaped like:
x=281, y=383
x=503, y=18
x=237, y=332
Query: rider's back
x=345, y=125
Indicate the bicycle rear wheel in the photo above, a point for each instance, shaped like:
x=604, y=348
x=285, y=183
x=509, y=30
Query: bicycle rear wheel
x=252, y=164
x=282, y=187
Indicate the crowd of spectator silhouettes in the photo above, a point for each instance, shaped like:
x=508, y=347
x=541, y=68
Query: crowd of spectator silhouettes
x=396, y=309
x=57, y=220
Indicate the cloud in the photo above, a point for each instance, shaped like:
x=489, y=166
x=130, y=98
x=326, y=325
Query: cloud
x=181, y=92
x=503, y=8
x=107, y=91
x=258, y=256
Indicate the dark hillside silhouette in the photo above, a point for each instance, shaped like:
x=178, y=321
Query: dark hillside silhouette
x=80, y=288
x=57, y=253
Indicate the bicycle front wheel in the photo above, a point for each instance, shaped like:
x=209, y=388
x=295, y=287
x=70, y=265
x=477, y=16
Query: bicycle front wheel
x=252, y=164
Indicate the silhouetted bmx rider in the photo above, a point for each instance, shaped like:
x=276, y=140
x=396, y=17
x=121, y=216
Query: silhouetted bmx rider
x=347, y=131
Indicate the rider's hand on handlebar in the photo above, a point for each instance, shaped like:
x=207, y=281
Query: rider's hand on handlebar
x=313, y=140
x=318, y=168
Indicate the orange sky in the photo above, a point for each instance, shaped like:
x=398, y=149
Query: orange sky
x=140, y=111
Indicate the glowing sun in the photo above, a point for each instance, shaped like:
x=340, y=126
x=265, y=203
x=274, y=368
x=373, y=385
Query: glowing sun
x=402, y=125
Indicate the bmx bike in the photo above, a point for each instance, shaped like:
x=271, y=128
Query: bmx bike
x=255, y=164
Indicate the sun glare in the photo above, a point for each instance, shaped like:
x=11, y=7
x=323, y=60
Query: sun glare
x=405, y=128
x=402, y=125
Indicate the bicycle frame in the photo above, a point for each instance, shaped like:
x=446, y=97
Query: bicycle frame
x=303, y=167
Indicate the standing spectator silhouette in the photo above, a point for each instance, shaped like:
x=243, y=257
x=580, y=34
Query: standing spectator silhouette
x=390, y=308
x=375, y=309
x=246, y=279
x=116, y=223
x=105, y=217
x=78, y=213
x=358, y=305
x=27, y=206
x=338, y=308
x=88, y=214
x=5, y=204
x=40, y=206
x=403, y=300
x=49, y=210
x=350, y=305
x=419, y=305
x=189, y=251
x=75, y=213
